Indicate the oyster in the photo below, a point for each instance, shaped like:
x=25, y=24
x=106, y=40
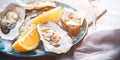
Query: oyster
x=72, y=21
x=54, y=38
x=36, y=8
x=37, y=5
x=11, y=19
x=33, y=9
x=44, y=5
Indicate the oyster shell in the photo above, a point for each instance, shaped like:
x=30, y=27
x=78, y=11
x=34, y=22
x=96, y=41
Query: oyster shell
x=54, y=38
x=11, y=20
x=72, y=21
x=36, y=8
x=37, y=4
x=33, y=9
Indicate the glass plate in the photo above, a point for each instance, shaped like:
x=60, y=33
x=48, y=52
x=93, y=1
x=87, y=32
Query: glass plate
x=40, y=51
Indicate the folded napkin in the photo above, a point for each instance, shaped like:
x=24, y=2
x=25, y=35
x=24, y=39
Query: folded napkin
x=101, y=45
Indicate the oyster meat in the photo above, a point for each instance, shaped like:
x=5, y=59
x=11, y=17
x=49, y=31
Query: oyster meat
x=54, y=38
x=11, y=20
x=33, y=9
x=72, y=21
x=37, y=4
x=38, y=7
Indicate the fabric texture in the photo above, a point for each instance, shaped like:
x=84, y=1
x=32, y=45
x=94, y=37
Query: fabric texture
x=102, y=45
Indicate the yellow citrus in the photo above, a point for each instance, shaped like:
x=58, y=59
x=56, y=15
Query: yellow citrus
x=27, y=41
x=52, y=15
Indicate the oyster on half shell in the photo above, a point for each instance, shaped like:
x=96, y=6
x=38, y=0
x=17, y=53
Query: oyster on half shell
x=72, y=21
x=34, y=8
x=54, y=38
x=11, y=20
x=37, y=4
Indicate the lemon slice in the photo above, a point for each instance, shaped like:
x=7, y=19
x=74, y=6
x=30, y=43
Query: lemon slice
x=28, y=41
x=52, y=15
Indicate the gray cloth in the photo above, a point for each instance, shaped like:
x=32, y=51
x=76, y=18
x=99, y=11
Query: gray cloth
x=102, y=45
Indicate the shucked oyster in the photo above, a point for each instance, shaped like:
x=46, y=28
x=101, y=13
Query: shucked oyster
x=54, y=38
x=11, y=19
x=72, y=21
x=37, y=4
x=33, y=9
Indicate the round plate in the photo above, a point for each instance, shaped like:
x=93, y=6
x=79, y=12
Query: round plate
x=40, y=51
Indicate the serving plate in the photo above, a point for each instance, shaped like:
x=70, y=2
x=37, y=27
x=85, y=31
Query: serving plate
x=40, y=50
